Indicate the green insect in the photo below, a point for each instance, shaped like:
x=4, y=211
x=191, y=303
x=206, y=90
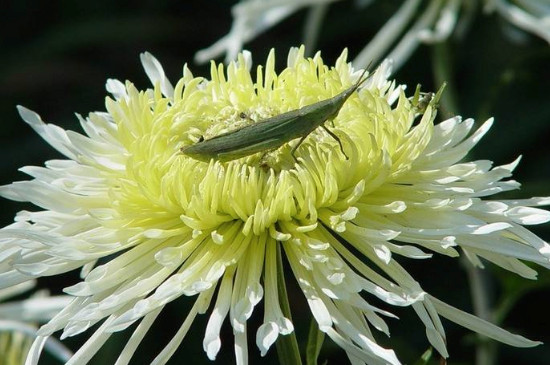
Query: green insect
x=421, y=100
x=272, y=133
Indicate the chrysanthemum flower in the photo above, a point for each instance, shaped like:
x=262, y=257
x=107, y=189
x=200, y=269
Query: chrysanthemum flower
x=148, y=224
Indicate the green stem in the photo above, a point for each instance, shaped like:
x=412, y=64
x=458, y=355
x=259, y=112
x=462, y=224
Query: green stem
x=485, y=350
x=287, y=346
x=314, y=343
x=314, y=22
x=443, y=72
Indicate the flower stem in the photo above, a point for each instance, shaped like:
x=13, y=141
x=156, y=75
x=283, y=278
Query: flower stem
x=443, y=72
x=314, y=343
x=287, y=346
x=485, y=350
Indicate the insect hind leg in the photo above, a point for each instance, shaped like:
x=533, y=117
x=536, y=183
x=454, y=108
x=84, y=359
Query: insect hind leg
x=336, y=138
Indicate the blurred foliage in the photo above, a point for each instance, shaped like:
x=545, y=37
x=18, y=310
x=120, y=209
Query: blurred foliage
x=57, y=55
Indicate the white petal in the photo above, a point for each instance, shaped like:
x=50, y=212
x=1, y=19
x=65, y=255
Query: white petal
x=116, y=88
x=527, y=215
x=154, y=71
x=174, y=344
x=212, y=343
x=373, y=353
x=481, y=326
x=320, y=312
x=54, y=135
x=492, y=227
x=91, y=346
x=35, y=350
x=136, y=338
x=266, y=336
x=241, y=348
x=436, y=338
x=383, y=252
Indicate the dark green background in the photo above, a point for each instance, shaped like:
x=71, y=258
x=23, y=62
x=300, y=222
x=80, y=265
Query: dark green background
x=57, y=55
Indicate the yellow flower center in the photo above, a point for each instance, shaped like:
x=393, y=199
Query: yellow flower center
x=265, y=191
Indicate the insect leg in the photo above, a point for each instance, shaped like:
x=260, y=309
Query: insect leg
x=296, y=147
x=336, y=138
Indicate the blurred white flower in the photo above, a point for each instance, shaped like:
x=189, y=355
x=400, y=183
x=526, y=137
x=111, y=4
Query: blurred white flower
x=18, y=319
x=250, y=19
x=413, y=24
x=532, y=16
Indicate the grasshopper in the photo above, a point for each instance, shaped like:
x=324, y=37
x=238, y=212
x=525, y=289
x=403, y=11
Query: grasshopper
x=421, y=101
x=273, y=132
